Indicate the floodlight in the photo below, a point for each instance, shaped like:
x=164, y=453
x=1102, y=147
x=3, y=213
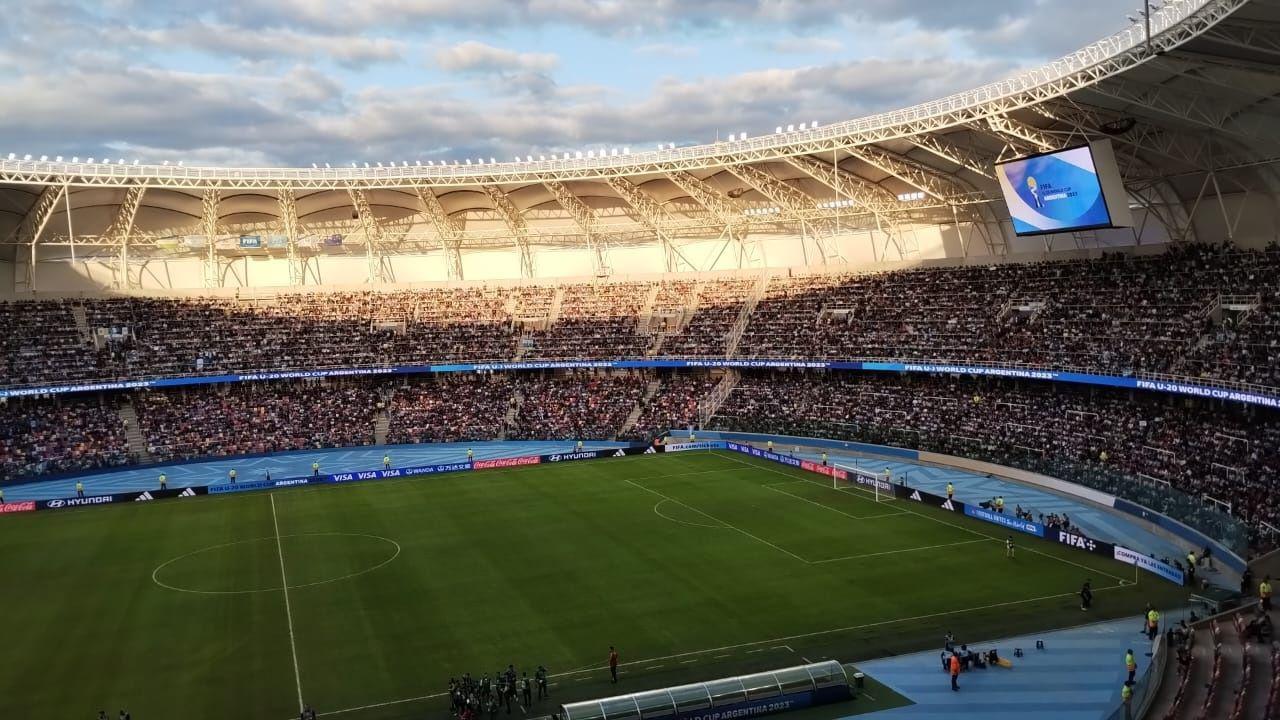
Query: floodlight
x=26, y=157
x=614, y=152
x=803, y=126
x=313, y=166
x=366, y=166
x=813, y=124
x=468, y=161
x=181, y=163
x=791, y=128
x=671, y=146
x=542, y=158
x=90, y=161
x=166, y=163
x=492, y=161
x=326, y=166
x=578, y=154
x=528, y=158
x=10, y=156
x=417, y=163
x=58, y=159
x=777, y=130
x=626, y=151
x=75, y=159
x=379, y=164
x=591, y=153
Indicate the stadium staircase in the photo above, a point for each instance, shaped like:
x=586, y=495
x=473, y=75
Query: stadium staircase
x=714, y=399
x=734, y=336
x=133, y=432
x=649, y=392
x=381, y=426
x=557, y=301
x=1230, y=677
x=513, y=411
x=82, y=322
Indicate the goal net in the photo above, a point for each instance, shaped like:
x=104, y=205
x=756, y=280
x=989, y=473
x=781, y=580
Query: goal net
x=872, y=478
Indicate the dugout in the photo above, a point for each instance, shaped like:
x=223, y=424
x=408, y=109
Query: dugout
x=763, y=693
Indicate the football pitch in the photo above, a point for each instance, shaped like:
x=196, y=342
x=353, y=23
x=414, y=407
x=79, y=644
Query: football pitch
x=364, y=599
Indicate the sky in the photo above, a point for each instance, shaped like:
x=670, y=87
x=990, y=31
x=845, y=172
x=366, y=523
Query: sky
x=296, y=82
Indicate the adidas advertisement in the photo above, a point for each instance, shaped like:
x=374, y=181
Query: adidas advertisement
x=930, y=499
x=144, y=496
x=596, y=454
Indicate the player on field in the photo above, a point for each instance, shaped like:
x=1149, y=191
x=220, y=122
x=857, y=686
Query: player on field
x=526, y=690
x=613, y=664
x=541, y=678
x=1086, y=595
x=1008, y=547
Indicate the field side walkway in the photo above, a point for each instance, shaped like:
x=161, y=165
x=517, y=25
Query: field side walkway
x=287, y=464
x=1077, y=676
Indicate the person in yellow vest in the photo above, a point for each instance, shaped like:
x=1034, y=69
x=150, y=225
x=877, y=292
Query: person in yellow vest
x=1153, y=624
x=1126, y=697
x=1264, y=590
x=232, y=476
x=1000, y=504
x=315, y=468
x=164, y=481
x=79, y=489
x=579, y=446
x=770, y=446
x=1191, y=568
x=470, y=455
x=1102, y=457
x=693, y=437
x=1130, y=663
x=386, y=462
x=951, y=491
x=824, y=458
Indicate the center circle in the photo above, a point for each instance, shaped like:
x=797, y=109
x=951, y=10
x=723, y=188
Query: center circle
x=252, y=566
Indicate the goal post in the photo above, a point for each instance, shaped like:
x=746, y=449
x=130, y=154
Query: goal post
x=875, y=478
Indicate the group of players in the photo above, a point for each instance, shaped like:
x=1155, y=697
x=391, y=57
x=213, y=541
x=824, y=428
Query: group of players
x=470, y=697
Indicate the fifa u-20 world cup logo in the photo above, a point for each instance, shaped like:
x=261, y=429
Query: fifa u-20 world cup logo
x=1034, y=187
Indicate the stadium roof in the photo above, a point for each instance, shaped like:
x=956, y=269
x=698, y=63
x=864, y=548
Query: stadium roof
x=1192, y=111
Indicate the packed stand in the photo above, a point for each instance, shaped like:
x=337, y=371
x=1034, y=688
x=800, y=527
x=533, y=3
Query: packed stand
x=719, y=303
x=450, y=409
x=256, y=418
x=1228, y=452
x=61, y=435
x=568, y=407
x=674, y=405
x=595, y=321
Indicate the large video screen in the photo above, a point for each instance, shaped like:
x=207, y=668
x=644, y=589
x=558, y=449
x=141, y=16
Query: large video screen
x=1059, y=191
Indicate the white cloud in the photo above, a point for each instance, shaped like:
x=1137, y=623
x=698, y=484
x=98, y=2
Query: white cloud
x=476, y=57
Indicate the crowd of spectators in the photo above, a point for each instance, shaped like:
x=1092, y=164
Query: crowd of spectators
x=213, y=421
x=578, y=406
x=673, y=406
x=451, y=409
x=1118, y=313
x=1226, y=451
x=60, y=435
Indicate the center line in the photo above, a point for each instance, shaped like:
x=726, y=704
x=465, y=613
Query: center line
x=288, y=610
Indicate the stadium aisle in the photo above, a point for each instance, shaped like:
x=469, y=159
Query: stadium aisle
x=289, y=464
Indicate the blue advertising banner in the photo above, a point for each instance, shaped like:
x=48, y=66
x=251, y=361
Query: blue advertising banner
x=757, y=452
x=1177, y=388
x=1007, y=521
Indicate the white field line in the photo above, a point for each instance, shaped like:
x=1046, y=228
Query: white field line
x=690, y=657
x=828, y=507
x=678, y=521
x=288, y=609
x=713, y=517
x=895, y=552
x=971, y=531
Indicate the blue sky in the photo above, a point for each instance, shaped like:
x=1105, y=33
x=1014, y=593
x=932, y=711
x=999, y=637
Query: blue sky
x=292, y=82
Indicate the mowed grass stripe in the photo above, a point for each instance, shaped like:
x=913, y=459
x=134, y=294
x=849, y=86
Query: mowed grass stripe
x=545, y=564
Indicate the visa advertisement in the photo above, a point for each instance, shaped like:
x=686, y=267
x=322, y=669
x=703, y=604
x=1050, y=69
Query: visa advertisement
x=1054, y=192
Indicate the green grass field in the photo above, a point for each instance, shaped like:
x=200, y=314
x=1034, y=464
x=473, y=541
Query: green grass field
x=695, y=565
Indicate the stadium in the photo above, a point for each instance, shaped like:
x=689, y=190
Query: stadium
x=764, y=425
